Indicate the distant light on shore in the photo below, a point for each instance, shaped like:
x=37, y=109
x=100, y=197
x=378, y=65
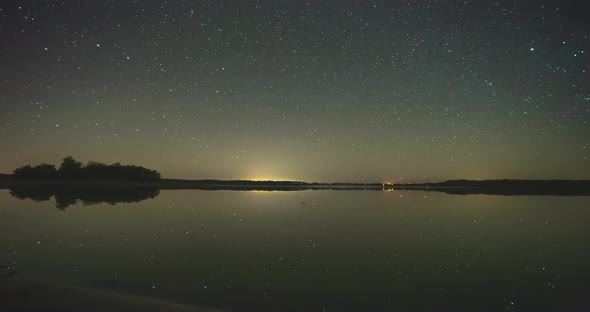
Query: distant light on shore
x=267, y=178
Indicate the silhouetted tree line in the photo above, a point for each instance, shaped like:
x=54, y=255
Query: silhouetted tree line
x=70, y=169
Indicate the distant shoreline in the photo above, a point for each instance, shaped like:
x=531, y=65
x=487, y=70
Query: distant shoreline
x=459, y=187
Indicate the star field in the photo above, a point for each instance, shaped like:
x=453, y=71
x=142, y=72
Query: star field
x=302, y=90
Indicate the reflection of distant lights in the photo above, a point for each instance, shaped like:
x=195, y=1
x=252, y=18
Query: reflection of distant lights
x=261, y=191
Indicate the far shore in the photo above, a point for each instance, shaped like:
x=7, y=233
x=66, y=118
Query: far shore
x=459, y=187
x=177, y=184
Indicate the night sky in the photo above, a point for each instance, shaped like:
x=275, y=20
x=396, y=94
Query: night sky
x=300, y=90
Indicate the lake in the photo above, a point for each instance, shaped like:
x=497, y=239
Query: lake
x=298, y=251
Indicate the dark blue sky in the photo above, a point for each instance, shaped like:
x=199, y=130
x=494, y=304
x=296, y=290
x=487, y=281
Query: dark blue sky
x=305, y=90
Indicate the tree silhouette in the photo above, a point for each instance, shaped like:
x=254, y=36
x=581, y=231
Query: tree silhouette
x=70, y=169
x=43, y=171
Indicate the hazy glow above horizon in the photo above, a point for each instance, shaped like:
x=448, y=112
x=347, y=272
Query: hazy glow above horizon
x=311, y=91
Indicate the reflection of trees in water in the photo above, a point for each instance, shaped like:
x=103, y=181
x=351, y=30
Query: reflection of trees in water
x=64, y=197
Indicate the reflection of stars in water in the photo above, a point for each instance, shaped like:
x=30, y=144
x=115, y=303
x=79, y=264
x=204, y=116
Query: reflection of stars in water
x=299, y=262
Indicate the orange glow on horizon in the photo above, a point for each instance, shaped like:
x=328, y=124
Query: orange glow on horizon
x=267, y=178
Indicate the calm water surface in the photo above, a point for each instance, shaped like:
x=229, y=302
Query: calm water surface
x=301, y=251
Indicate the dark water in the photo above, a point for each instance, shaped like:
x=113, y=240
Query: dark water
x=300, y=251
